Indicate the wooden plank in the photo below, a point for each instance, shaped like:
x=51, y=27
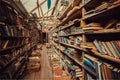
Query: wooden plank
x=37, y=6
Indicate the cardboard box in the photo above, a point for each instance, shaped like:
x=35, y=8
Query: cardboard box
x=63, y=76
x=35, y=67
x=34, y=59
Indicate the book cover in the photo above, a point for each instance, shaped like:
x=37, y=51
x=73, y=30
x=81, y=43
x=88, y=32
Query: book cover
x=6, y=43
x=115, y=48
x=103, y=48
x=108, y=49
x=98, y=46
x=112, y=50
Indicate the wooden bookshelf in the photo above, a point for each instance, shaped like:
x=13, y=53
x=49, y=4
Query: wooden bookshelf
x=92, y=3
x=103, y=14
x=115, y=60
x=106, y=31
x=77, y=14
x=10, y=48
x=72, y=46
x=21, y=36
x=90, y=12
x=78, y=62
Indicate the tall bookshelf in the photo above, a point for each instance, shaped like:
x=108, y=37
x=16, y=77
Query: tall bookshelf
x=18, y=37
x=88, y=35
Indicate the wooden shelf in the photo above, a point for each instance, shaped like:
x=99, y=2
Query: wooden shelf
x=115, y=60
x=78, y=62
x=56, y=52
x=14, y=59
x=66, y=11
x=106, y=31
x=105, y=14
x=9, y=48
x=14, y=37
x=72, y=23
x=92, y=3
x=76, y=14
x=67, y=26
x=75, y=33
x=72, y=46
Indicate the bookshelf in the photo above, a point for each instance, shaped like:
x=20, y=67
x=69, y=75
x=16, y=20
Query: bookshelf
x=96, y=37
x=18, y=37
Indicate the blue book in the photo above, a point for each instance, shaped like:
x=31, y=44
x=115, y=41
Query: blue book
x=86, y=61
x=109, y=49
x=97, y=44
x=115, y=48
x=91, y=71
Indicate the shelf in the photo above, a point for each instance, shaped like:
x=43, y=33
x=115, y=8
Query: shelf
x=75, y=33
x=9, y=48
x=66, y=11
x=75, y=15
x=56, y=51
x=112, y=59
x=80, y=63
x=72, y=46
x=92, y=3
x=106, y=31
x=72, y=23
x=113, y=10
x=14, y=37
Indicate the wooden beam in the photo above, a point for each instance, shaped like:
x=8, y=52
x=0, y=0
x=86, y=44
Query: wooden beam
x=37, y=6
x=48, y=11
x=55, y=7
x=41, y=11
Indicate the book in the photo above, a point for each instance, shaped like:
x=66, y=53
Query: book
x=93, y=24
x=112, y=50
x=115, y=48
x=98, y=46
x=5, y=45
x=107, y=49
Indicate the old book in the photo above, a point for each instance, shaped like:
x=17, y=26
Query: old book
x=112, y=50
x=6, y=43
x=93, y=24
x=103, y=6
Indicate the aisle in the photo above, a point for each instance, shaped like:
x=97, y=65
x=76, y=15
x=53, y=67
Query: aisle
x=45, y=72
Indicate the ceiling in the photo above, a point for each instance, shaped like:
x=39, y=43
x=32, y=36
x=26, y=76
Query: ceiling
x=31, y=4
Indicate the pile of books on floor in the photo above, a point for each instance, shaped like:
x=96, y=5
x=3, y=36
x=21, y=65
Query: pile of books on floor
x=59, y=73
x=34, y=61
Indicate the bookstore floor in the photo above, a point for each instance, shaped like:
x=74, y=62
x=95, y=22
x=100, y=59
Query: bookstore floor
x=45, y=72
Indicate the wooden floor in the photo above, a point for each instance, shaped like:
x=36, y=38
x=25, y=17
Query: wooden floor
x=45, y=72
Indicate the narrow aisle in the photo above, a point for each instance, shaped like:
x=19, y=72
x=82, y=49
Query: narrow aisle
x=46, y=70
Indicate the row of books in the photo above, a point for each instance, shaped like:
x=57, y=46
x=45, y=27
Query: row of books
x=110, y=26
x=71, y=67
x=64, y=40
x=7, y=30
x=11, y=70
x=103, y=6
x=14, y=59
x=11, y=17
x=71, y=30
x=11, y=55
x=99, y=70
x=71, y=40
x=111, y=48
x=11, y=43
x=73, y=53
